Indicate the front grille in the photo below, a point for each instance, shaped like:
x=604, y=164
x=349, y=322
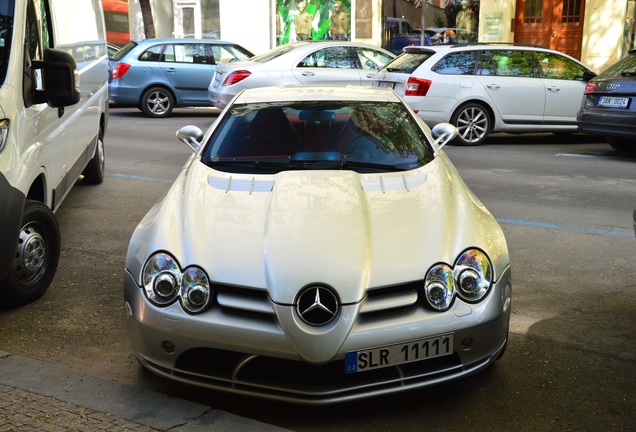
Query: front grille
x=300, y=382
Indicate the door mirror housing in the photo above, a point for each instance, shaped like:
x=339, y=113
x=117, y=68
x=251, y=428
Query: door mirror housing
x=59, y=79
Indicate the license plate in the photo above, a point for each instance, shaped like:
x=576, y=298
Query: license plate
x=391, y=355
x=613, y=102
x=385, y=84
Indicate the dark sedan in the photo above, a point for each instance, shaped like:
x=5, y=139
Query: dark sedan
x=609, y=105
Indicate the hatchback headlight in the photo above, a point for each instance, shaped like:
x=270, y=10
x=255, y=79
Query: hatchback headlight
x=470, y=278
x=164, y=282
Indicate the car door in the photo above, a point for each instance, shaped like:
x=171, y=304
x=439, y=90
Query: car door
x=564, y=81
x=189, y=67
x=370, y=62
x=329, y=65
x=508, y=77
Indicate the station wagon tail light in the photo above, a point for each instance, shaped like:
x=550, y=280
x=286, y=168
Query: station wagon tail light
x=119, y=70
x=164, y=282
x=469, y=278
x=236, y=76
x=417, y=87
x=589, y=88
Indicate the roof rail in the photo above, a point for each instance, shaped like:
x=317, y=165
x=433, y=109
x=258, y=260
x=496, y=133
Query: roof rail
x=522, y=44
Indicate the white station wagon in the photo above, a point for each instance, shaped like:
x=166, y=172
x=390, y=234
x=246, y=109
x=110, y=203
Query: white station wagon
x=489, y=88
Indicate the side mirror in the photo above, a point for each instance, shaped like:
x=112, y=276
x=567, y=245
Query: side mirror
x=58, y=79
x=191, y=136
x=443, y=133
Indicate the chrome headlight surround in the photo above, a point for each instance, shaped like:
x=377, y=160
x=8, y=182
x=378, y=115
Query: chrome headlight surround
x=470, y=278
x=164, y=282
x=439, y=287
x=4, y=133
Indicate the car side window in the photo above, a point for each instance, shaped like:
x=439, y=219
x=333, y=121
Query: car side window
x=372, y=59
x=510, y=63
x=152, y=54
x=190, y=53
x=332, y=57
x=555, y=66
x=457, y=63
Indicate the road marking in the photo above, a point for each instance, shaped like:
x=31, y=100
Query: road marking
x=132, y=177
x=565, y=227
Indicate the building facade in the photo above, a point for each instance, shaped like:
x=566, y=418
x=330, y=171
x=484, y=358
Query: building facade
x=599, y=32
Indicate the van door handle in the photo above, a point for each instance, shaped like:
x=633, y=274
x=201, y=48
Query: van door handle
x=554, y=89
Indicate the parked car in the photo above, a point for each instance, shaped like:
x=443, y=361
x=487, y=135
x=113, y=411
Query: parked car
x=490, y=88
x=157, y=75
x=317, y=247
x=609, y=105
x=326, y=62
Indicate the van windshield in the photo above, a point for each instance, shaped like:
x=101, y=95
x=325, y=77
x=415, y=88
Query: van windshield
x=6, y=29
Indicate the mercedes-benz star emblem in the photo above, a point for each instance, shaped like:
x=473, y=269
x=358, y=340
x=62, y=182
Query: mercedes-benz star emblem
x=317, y=305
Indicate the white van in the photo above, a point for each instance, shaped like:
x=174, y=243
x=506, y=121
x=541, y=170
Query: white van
x=53, y=116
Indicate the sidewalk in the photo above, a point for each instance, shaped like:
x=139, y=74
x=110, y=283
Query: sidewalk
x=37, y=396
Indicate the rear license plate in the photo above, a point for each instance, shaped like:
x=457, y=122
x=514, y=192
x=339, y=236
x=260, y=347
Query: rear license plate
x=613, y=102
x=385, y=84
x=391, y=355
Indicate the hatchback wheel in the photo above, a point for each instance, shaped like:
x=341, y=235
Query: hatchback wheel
x=473, y=123
x=157, y=102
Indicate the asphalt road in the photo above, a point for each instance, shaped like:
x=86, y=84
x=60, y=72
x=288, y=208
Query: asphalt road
x=565, y=204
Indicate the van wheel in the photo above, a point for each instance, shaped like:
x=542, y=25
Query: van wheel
x=36, y=257
x=94, y=171
x=157, y=102
x=473, y=123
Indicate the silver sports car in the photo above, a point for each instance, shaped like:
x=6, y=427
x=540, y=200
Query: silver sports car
x=318, y=247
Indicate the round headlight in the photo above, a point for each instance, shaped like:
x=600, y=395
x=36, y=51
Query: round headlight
x=195, y=290
x=473, y=274
x=439, y=287
x=161, y=279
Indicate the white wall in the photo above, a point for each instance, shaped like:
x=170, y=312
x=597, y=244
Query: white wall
x=248, y=23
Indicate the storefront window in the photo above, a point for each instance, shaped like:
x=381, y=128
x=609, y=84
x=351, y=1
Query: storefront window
x=312, y=20
x=462, y=18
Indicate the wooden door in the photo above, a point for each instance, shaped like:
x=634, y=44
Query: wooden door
x=556, y=24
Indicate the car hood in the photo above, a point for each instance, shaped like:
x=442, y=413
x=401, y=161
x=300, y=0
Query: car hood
x=347, y=230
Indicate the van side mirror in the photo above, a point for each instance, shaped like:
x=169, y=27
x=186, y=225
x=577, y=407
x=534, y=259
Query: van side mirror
x=58, y=79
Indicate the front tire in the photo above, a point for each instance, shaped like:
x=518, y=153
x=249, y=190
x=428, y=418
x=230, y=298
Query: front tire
x=36, y=258
x=157, y=102
x=473, y=123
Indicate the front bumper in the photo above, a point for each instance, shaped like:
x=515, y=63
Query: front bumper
x=250, y=354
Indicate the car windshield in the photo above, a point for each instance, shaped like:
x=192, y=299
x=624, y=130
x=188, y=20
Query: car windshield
x=273, y=53
x=6, y=16
x=124, y=50
x=408, y=62
x=266, y=138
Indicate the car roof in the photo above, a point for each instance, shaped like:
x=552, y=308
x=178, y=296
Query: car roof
x=182, y=40
x=317, y=93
